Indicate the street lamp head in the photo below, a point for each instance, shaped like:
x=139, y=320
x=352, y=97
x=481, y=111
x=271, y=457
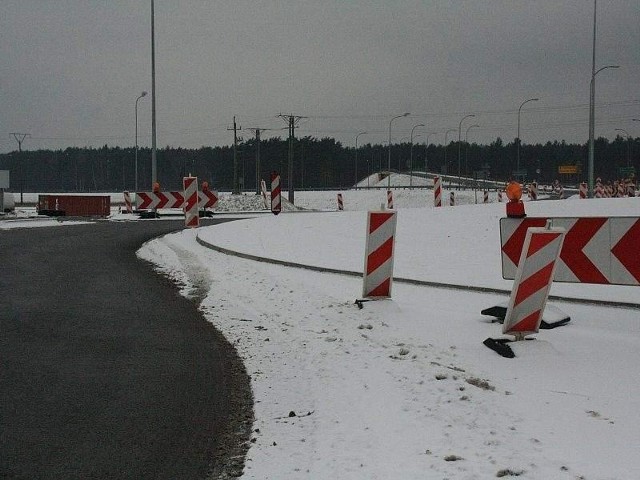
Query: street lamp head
x=143, y=94
x=406, y=114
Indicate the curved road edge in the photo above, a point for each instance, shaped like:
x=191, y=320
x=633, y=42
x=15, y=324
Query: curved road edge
x=409, y=281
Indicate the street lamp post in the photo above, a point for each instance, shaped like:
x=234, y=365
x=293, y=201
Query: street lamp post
x=355, y=185
x=446, y=135
x=466, y=152
x=518, y=137
x=459, y=141
x=592, y=120
x=136, y=164
x=592, y=96
x=628, y=145
x=389, y=160
x=426, y=147
x=411, y=155
x=154, y=170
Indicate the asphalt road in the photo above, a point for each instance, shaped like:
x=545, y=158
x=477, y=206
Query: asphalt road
x=105, y=370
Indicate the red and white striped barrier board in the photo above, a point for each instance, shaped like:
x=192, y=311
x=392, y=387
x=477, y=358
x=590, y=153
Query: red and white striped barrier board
x=156, y=200
x=600, y=250
x=340, y=203
x=207, y=199
x=621, y=189
x=263, y=189
x=191, y=214
x=486, y=196
x=127, y=202
x=378, y=261
x=499, y=196
x=533, y=280
x=583, y=190
x=452, y=199
x=389, y=199
x=437, y=192
x=276, y=201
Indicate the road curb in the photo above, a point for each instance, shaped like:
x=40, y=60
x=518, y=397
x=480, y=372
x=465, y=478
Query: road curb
x=408, y=281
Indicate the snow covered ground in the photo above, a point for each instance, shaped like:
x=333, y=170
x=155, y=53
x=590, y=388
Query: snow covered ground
x=404, y=388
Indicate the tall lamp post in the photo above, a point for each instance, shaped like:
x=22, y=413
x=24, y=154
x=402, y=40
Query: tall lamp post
x=592, y=119
x=446, y=135
x=154, y=169
x=389, y=160
x=592, y=96
x=355, y=185
x=518, y=137
x=411, y=155
x=426, y=148
x=136, y=165
x=466, y=151
x=459, y=141
x=628, y=145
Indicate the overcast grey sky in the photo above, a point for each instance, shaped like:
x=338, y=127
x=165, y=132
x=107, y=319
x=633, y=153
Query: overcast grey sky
x=72, y=69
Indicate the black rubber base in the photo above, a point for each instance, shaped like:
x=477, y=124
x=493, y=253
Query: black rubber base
x=500, y=346
x=500, y=312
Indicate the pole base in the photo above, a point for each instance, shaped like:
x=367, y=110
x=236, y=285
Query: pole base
x=552, y=316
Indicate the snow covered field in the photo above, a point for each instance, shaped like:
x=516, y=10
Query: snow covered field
x=404, y=388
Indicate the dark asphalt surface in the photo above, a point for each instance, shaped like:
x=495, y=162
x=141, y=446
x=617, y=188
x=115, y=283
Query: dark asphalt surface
x=105, y=370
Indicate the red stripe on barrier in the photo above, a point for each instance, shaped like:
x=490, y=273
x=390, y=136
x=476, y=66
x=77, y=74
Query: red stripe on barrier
x=572, y=253
x=534, y=283
x=540, y=241
x=626, y=250
x=163, y=200
x=527, y=324
x=381, y=290
x=513, y=247
x=379, y=256
x=378, y=219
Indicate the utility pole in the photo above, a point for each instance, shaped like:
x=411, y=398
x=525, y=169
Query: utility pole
x=257, y=130
x=154, y=168
x=20, y=138
x=292, y=121
x=236, y=183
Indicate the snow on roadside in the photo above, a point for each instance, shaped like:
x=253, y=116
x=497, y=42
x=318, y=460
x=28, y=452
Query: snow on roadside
x=405, y=388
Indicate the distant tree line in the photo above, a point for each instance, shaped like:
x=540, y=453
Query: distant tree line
x=318, y=163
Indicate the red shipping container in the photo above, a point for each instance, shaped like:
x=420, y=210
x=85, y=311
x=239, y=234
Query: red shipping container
x=75, y=205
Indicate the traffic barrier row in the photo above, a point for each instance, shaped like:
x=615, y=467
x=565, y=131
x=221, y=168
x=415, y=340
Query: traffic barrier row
x=157, y=200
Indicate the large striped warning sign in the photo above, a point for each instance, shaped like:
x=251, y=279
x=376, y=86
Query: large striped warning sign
x=600, y=250
x=156, y=200
x=378, y=261
x=533, y=279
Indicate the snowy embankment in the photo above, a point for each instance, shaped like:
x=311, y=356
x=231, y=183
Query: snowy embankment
x=404, y=388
